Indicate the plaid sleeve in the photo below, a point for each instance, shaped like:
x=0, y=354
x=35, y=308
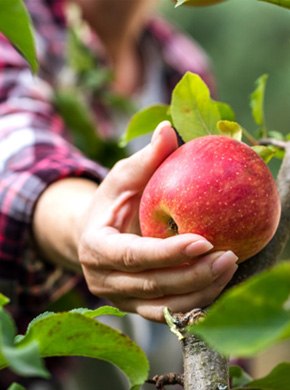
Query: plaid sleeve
x=34, y=152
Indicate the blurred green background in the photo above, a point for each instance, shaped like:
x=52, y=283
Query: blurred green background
x=244, y=39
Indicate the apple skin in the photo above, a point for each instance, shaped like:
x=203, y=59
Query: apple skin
x=217, y=187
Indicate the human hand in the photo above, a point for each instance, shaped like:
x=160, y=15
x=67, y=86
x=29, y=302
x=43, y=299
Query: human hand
x=145, y=274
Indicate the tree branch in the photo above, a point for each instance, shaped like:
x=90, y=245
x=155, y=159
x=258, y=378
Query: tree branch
x=204, y=369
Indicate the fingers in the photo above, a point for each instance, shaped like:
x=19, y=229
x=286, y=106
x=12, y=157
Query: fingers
x=135, y=171
x=153, y=309
x=165, y=282
x=132, y=253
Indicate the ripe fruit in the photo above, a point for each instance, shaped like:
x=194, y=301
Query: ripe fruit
x=201, y=2
x=217, y=187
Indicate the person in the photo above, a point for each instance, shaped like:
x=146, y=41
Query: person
x=64, y=218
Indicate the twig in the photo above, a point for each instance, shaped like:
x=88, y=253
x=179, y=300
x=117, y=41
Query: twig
x=167, y=379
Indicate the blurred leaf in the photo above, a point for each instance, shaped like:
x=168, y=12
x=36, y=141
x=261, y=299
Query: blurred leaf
x=263, y=321
x=145, y=121
x=74, y=334
x=276, y=135
x=230, y=129
x=193, y=112
x=25, y=360
x=226, y=111
x=238, y=376
x=257, y=102
x=16, y=386
x=3, y=300
x=278, y=379
x=7, y=329
x=79, y=120
x=79, y=56
x=282, y=3
x=180, y=2
x=16, y=25
x=265, y=152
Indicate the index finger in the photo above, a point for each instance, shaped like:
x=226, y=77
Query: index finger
x=132, y=253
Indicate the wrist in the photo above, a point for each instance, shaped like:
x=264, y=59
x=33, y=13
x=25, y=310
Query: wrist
x=58, y=219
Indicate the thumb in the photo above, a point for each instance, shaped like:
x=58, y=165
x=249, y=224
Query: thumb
x=134, y=172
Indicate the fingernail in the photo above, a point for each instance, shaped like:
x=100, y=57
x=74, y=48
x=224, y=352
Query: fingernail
x=197, y=248
x=158, y=130
x=225, y=261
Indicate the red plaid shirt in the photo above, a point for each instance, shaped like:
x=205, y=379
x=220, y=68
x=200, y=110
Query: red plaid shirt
x=35, y=149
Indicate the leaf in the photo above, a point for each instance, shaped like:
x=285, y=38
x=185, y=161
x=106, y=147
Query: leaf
x=278, y=379
x=250, y=317
x=3, y=300
x=238, y=376
x=230, y=129
x=74, y=334
x=265, y=152
x=16, y=386
x=100, y=311
x=257, y=101
x=180, y=2
x=16, y=25
x=193, y=112
x=79, y=120
x=226, y=111
x=281, y=3
x=145, y=121
x=25, y=360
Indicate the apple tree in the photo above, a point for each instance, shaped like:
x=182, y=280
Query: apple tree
x=250, y=316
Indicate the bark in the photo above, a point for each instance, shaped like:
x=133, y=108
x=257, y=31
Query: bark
x=204, y=369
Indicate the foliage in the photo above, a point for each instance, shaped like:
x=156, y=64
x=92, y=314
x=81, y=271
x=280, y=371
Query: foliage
x=73, y=333
x=22, y=36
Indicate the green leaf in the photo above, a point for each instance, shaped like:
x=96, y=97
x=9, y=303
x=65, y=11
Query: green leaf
x=145, y=121
x=281, y=3
x=265, y=152
x=230, y=129
x=16, y=386
x=7, y=329
x=25, y=360
x=193, y=112
x=74, y=334
x=100, y=311
x=79, y=120
x=248, y=318
x=226, y=111
x=238, y=376
x=257, y=102
x=278, y=379
x=16, y=25
x=3, y=300
x=180, y=2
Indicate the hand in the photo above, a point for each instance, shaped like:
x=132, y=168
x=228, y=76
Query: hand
x=142, y=274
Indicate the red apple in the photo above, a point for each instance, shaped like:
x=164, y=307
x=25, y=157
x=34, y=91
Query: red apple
x=217, y=187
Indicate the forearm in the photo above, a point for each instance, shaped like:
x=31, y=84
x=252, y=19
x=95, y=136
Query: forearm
x=57, y=220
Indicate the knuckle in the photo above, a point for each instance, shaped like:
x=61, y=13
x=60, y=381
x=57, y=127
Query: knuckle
x=130, y=260
x=151, y=289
